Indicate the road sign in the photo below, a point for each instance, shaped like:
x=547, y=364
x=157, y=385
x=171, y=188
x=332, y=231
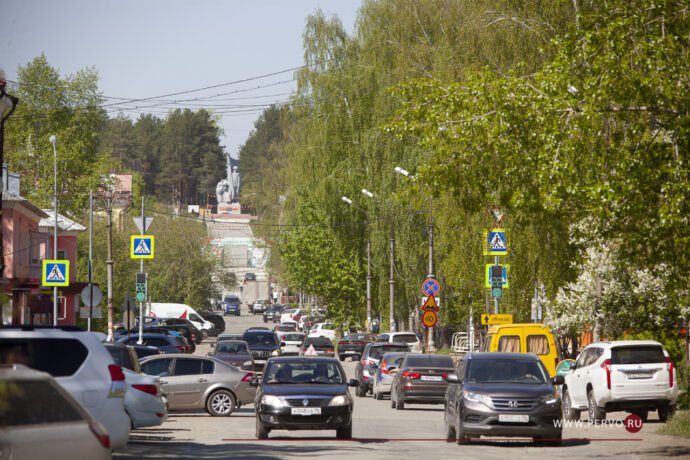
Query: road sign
x=137, y=222
x=429, y=318
x=506, y=271
x=496, y=281
x=495, y=242
x=311, y=351
x=430, y=304
x=55, y=273
x=497, y=319
x=430, y=287
x=141, y=247
x=91, y=295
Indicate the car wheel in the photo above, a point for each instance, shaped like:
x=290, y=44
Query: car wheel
x=450, y=432
x=341, y=357
x=594, y=412
x=460, y=437
x=643, y=414
x=400, y=404
x=221, y=403
x=378, y=395
x=261, y=430
x=568, y=412
x=204, y=334
x=265, y=320
x=665, y=413
x=344, y=432
x=361, y=391
x=392, y=400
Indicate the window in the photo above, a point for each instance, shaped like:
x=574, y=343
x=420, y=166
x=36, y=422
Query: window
x=637, y=354
x=509, y=344
x=159, y=367
x=35, y=402
x=405, y=338
x=538, y=344
x=38, y=243
x=58, y=357
x=429, y=361
x=62, y=254
x=582, y=359
x=193, y=367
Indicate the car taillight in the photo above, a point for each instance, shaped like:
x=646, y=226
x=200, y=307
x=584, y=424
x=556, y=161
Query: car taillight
x=118, y=385
x=193, y=337
x=670, y=372
x=330, y=351
x=150, y=389
x=606, y=365
x=100, y=432
x=411, y=375
x=248, y=377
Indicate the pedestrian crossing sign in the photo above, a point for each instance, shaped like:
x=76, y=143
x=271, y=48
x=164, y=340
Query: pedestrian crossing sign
x=55, y=273
x=496, y=242
x=142, y=247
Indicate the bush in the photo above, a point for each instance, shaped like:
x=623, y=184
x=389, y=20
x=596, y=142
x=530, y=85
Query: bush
x=678, y=425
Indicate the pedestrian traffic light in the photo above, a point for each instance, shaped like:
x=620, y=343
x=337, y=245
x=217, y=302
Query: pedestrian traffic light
x=496, y=281
x=141, y=287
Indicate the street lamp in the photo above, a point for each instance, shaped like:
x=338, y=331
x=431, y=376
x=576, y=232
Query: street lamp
x=7, y=105
x=53, y=140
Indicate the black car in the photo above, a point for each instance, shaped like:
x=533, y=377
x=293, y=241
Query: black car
x=366, y=366
x=353, y=345
x=181, y=330
x=271, y=312
x=216, y=319
x=164, y=343
x=262, y=344
x=297, y=393
x=502, y=394
x=197, y=334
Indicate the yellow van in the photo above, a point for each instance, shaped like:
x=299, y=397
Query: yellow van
x=524, y=338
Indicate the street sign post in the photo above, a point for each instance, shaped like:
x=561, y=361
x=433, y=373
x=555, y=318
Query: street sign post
x=55, y=273
x=138, y=223
x=141, y=247
x=496, y=242
x=91, y=295
x=497, y=319
x=430, y=287
x=429, y=318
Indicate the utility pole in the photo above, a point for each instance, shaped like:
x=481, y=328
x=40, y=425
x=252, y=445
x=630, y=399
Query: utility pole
x=109, y=263
x=391, y=282
x=88, y=321
x=53, y=140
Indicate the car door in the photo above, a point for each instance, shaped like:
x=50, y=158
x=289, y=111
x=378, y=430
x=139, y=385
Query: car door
x=189, y=379
x=577, y=385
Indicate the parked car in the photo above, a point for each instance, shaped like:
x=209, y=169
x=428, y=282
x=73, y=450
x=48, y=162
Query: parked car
x=262, y=345
x=322, y=347
x=352, y=345
x=40, y=419
x=382, y=376
x=291, y=343
x=299, y=393
x=307, y=322
x=194, y=336
x=502, y=394
x=181, y=311
x=250, y=276
x=524, y=338
x=201, y=383
x=235, y=352
x=164, y=343
x=181, y=331
x=636, y=376
x=420, y=379
x=323, y=330
x=80, y=364
x=367, y=364
x=259, y=306
x=217, y=321
x=143, y=351
x=231, y=305
x=410, y=338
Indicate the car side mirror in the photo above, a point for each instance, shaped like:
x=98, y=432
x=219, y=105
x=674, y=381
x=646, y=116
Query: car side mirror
x=254, y=382
x=452, y=378
x=558, y=380
x=353, y=383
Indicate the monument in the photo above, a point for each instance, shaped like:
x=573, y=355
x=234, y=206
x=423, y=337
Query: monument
x=228, y=189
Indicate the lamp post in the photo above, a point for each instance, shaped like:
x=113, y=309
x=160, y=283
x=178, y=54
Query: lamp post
x=7, y=105
x=430, y=273
x=53, y=140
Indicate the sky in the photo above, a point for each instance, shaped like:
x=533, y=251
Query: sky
x=150, y=48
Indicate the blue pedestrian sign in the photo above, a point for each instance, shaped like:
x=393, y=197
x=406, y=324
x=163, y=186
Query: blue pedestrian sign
x=430, y=287
x=55, y=273
x=142, y=247
x=495, y=242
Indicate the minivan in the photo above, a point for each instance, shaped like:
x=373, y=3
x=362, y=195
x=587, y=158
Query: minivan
x=524, y=338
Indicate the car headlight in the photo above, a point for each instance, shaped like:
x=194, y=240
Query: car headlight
x=276, y=352
x=550, y=398
x=270, y=400
x=340, y=400
x=478, y=398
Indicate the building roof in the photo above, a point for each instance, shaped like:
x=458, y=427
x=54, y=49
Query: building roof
x=9, y=196
x=64, y=223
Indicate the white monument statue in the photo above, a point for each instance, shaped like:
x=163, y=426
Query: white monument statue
x=228, y=189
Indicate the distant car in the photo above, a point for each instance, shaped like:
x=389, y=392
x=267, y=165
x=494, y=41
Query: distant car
x=352, y=345
x=164, y=343
x=271, y=311
x=322, y=346
x=200, y=383
x=39, y=418
x=383, y=377
x=229, y=336
x=366, y=366
x=323, y=330
x=291, y=314
x=288, y=326
x=291, y=343
x=502, y=394
x=259, y=306
x=249, y=276
x=420, y=379
x=231, y=305
x=409, y=338
x=235, y=352
x=197, y=336
x=299, y=393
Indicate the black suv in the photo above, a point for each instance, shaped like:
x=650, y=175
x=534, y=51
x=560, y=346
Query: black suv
x=262, y=344
x=271, y=312
x=367, y=364
x=198, y=337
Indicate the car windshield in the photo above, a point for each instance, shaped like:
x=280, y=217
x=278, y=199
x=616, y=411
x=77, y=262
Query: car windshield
x=310, y=371
x=505, y=371
x=260, y=339
x=231, y=348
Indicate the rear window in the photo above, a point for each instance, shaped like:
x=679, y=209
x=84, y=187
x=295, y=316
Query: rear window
x=32, y=402
x=121, y=356
x=430, y=360
x=58, y=357
x=637, y=354
x=405, y=338
x=260, y=339
x=376, y=352
x=293, y=337
x=318, y=342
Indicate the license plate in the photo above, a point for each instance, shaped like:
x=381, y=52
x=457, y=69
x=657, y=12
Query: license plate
x=349, y=352
x=514, y=418
x=432, y=378
x=306, y=411
x=639, y=376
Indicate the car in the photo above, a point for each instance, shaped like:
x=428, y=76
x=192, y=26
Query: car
x=231, y=305
x=200, y=382
x=300, y=393
x=382, y=375
x=196, y=335
x=323, y=330
x=524, y=338
x=144, y=401
x=40, y=418
x=80, y=363
x=272, y=311
x=291, y=314
x=502, y=394
x=307, y=322
x=216, y=319
x=368, y=362
x=636, y=376
x=352, y=345
x=420, y=379
x=165, y=343
x=235, y=352
x=143, y=351
x=291, y=343
x=189, y=334
x=262, y=345
x=250, y=276
x=288, y=326
x=259, y=306
x=182, y=311
x=322, y=347
x=229, y=336
x=277, y=313
x=409, y=338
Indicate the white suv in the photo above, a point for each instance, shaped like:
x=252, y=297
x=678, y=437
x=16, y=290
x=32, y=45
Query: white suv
x=632, y=375
x=410, y=338
x=80, y=364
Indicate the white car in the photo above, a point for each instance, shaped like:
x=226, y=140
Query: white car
x=410, y=338
x=630, y=375
x=323, y=330
x=290, y=314
x=80, y=364
x=143, y=401
x=291, y=343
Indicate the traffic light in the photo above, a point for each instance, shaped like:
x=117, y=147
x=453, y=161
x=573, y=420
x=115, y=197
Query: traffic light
x=496, y=281
x=141, y=286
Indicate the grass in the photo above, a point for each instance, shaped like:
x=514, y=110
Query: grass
x=678, y=425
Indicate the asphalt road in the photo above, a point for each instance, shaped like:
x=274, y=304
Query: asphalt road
x=379, y=432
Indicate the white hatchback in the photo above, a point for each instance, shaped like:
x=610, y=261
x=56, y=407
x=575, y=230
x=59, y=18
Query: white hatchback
x=323, y=330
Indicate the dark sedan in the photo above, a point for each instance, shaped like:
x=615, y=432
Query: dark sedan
x=502, y=394
x=235, y=352
x=298, y=393
x=353, y=345
x=420, y=379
